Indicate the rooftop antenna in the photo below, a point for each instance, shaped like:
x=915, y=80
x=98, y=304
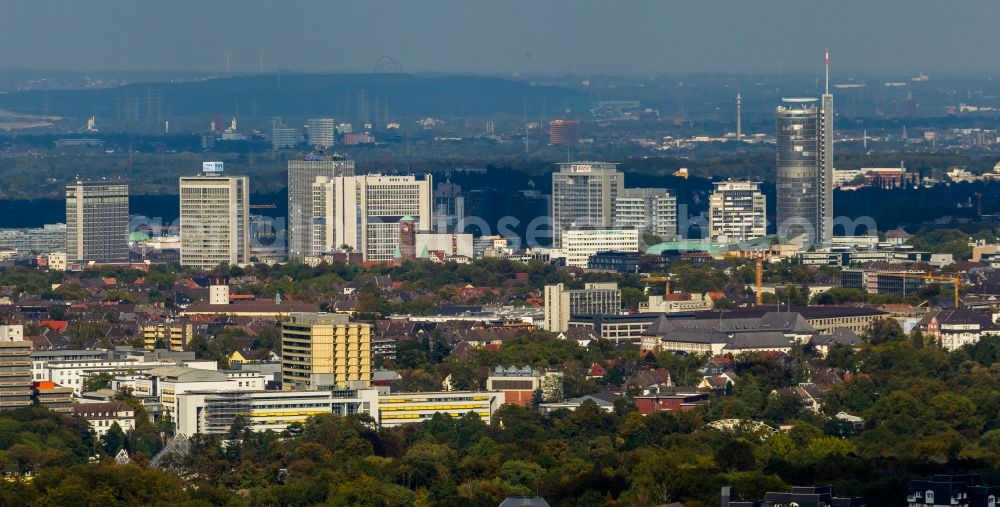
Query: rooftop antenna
x=827, y=71
x=739, y=113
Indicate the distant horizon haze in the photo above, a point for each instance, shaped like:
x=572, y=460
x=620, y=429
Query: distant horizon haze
x=516, y=37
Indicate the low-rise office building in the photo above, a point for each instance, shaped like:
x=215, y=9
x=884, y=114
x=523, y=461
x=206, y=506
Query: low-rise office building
x=954, y=329
x=773, y=332
x=823, y=319
x=845, y=256
x=402, y=408
x=801, y=496
x=167, y=382
x=593, y=299
x=519, y=384
x=617, y=328
x=579, y=245
x=966, y=490
x=102, y=416
x=676, y=303
x=49, y=395
x=214, y=411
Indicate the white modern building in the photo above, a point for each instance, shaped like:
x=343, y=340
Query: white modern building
x=214, y=411
x=652, y=210
x=452, y=244
x=27, y=242
x=676, y=303
x=57, y=261
x=11, y=332
x=283, y=136
x=73, y=373
x=215, y=220
x=320, y=132
x=737, y=211
x=584, y=196
x=167, y=382
x=363, y=213
x=302, y=174
x=579, y=244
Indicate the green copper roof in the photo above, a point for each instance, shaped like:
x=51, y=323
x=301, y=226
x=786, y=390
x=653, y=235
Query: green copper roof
x=704, y=245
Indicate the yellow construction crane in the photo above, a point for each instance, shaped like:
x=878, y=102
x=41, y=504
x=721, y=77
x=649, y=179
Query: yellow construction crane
x=953, y=279
x=759, y=293
x=758, y=257
x=665, y=280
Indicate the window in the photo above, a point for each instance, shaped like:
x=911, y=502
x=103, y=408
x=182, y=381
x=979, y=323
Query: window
x=929, y=496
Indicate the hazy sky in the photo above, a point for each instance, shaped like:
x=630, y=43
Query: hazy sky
x=503, y=36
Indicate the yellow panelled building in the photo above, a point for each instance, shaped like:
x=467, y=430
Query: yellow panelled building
x=175, y=335
x=325, y=349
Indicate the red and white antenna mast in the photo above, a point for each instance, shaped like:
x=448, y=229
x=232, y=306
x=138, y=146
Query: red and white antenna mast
x=827, y=70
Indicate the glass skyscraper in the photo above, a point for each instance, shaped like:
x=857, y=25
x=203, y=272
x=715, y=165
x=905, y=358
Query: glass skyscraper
x=804, y=160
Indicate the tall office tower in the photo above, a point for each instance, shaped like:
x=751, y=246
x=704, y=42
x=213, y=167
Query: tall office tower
x=97, y=221
x=592, y=299
x=215, y=220
x=584, y=196
x=449, y=206
x=320, y=132
x=804, y=159
x=363, y=212
x=283, y=136
x=302, y=174
x=15, y=368
x=563, y=132
x=737, y=211
x=652, y=210
x=325, y=349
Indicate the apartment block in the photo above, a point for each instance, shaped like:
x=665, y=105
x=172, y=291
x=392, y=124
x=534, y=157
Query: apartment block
x=173, y=335
x=215, y=220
